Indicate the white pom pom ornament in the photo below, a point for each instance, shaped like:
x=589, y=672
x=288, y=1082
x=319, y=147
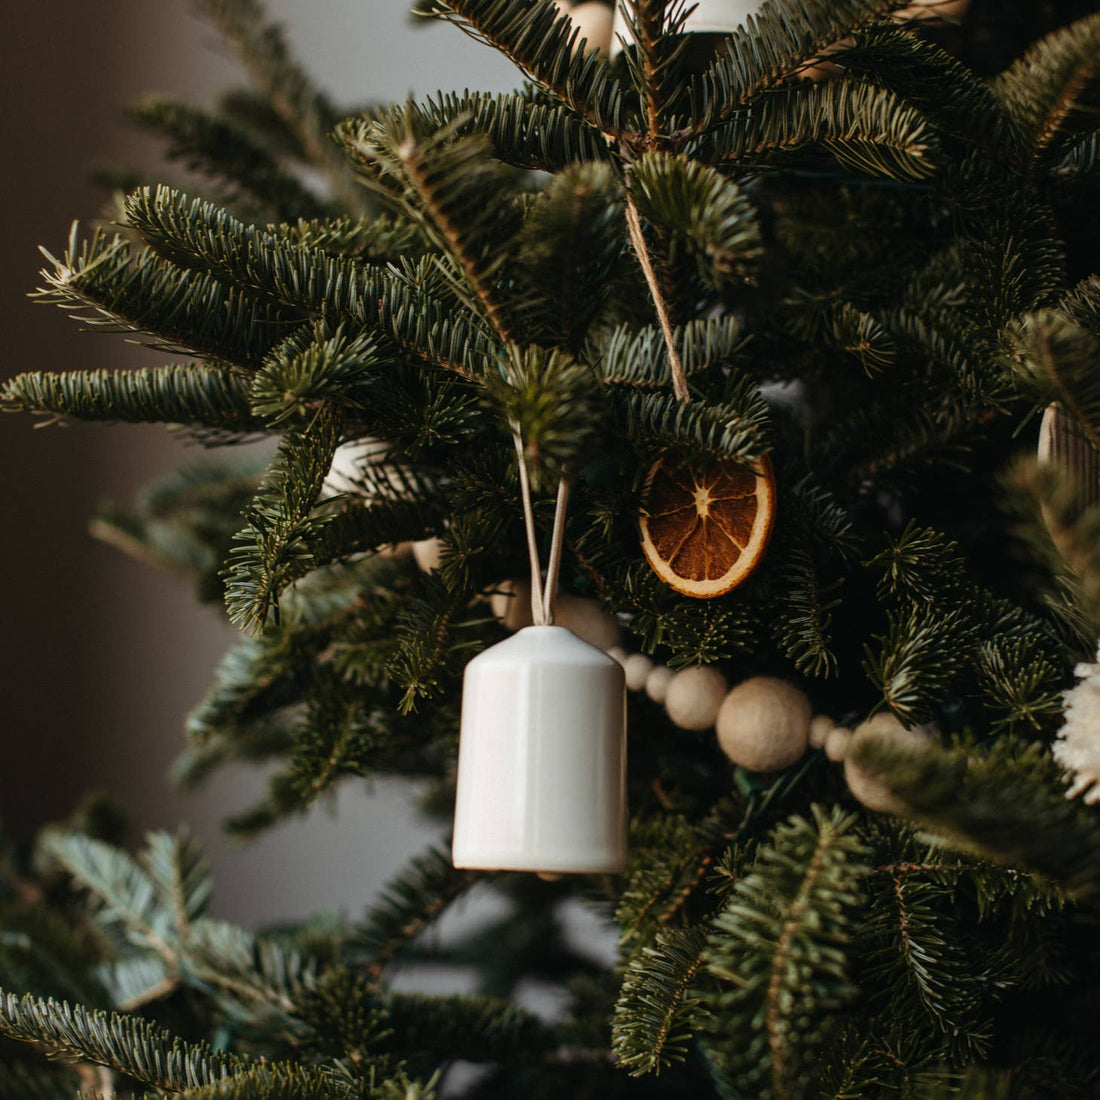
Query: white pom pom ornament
x=1078, y=746
x=694, y=696
x=764, y=724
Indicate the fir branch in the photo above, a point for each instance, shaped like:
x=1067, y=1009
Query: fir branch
x=539, y=39
x=551, y=402
x=779, y=948
x=1051, y=91
x=277, y=1082
x=1082, y=158
x=447, y=184
x=198, y=397
x=925, y=650
x=942, y=88
x=1007, y=805
x=407, y=905
x=1056, y=360
x=667, y=862
x=733, y=430
x=137, y=291
x=124, y=891
x=218, y=149
x=804, y=630
x=630, y=356
x=915, y=955
x=655, y=28
x=525, y=129
x=128, y=1044
x=656, y=1012
x=569, y=246
x=287, y=88
x=281, y=531
x=397, y=300
x=181, y=876
x=446, y=1027
x=867, y=129
x=772, y=46
x=333, y=368
x=708, y=213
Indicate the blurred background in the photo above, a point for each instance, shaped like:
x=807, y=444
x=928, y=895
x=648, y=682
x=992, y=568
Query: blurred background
x=102, y=657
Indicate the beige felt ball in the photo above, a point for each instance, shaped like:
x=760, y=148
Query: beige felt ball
x=947, y=11
x=511, y=603
x=594, y=21
x=617, y=653
x=820, y=726
x=427, y=553
x=694, y=696
x=863, y=783
x=836, y=743
x=637, y=667
x=656, y=683
x=588, y=620
x=764, y=724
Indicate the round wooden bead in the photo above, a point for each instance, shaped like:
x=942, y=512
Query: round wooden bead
x=764, y=724
x=836, y=743
x=946, y=11
x=617, y=653
x=637, y=668
x=656, y=683
x=820, y=726
x=864, y=784
x=594, y=20
x=694, y=696
x=588, y=620
x=511, y=603
x=427, y=553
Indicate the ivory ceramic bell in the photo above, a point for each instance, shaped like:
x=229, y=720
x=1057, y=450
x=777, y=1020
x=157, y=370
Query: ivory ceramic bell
x=542, y=757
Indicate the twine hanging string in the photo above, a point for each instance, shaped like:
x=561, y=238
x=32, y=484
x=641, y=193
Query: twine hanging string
x=542, y=596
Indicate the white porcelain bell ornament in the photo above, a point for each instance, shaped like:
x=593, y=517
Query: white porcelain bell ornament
x=542, y=757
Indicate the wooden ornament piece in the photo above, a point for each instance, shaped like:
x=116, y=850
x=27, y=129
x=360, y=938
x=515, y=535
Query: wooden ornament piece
x=656, y=683
x=764, y=724
x=694, y=696
x=427, y=553
x=1064, y=445
x=704, y=530
x=865, y=784
x=637, y=668
x=588, y=620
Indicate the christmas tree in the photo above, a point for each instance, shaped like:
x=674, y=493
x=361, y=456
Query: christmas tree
x=772, y=312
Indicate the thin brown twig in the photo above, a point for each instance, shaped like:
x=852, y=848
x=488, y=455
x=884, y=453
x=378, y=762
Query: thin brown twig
x=641, y=250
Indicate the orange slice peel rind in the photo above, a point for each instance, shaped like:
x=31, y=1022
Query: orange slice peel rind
x=704, y=531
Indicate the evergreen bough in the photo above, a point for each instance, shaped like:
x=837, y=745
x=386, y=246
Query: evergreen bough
x=874, y=279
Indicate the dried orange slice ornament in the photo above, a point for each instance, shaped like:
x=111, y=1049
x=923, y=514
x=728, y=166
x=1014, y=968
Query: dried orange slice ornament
x=705, y=531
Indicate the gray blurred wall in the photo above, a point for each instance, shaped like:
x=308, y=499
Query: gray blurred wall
x=101, y=657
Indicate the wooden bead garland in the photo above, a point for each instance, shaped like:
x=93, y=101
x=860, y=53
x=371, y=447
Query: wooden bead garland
x=764, y=724
x=637, y=668
x=694, y=697
x=593, y=21
x=656, y=683
x=863, y=783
